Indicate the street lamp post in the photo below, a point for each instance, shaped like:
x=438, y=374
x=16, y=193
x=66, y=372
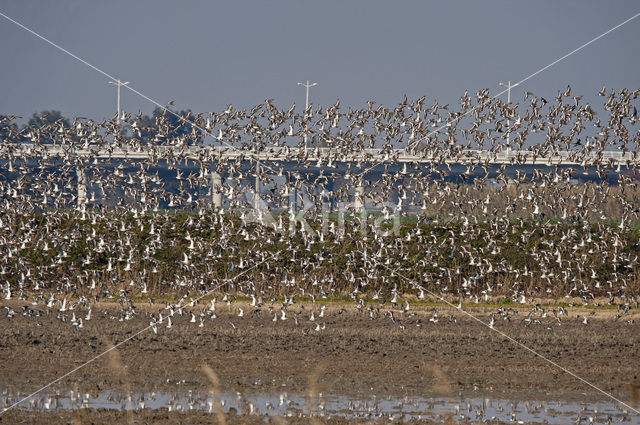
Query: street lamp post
x=508, y=86
x=306, y=102
x=119, y=84
x=306, y=106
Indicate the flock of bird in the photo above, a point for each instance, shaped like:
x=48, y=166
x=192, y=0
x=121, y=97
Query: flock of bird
x=543, y=129
x=140, y=234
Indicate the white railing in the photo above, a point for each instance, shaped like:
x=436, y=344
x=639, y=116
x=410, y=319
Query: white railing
x=275, y=154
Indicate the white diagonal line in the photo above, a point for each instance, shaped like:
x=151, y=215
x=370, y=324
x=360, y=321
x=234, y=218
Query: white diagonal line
x=128, y=339
x=528, y=77
x=562, y=368
x=95, y=68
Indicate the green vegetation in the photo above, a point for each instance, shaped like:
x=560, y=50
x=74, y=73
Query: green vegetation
x=193, y=253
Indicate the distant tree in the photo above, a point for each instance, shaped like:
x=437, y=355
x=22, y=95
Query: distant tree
x=145, y=128
x=38, y=119
x=177, y=122
x=171, y=124
x=51, y=119
x=8, y=127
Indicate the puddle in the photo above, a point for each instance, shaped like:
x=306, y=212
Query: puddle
x=334, y=405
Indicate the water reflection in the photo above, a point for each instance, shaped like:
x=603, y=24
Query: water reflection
x=335, y=405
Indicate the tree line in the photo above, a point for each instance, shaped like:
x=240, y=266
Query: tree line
x=174, y=123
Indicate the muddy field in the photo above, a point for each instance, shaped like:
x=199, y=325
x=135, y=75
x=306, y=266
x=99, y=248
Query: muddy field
x=354, y=355
x=108, y=417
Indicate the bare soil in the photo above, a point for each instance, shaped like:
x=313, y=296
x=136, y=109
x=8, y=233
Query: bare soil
x=162, y=416
x=353, y=355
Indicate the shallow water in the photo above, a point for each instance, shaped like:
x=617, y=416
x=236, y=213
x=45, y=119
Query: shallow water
x=335, y=405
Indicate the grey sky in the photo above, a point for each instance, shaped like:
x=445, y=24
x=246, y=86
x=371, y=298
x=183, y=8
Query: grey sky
x=205, y=55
